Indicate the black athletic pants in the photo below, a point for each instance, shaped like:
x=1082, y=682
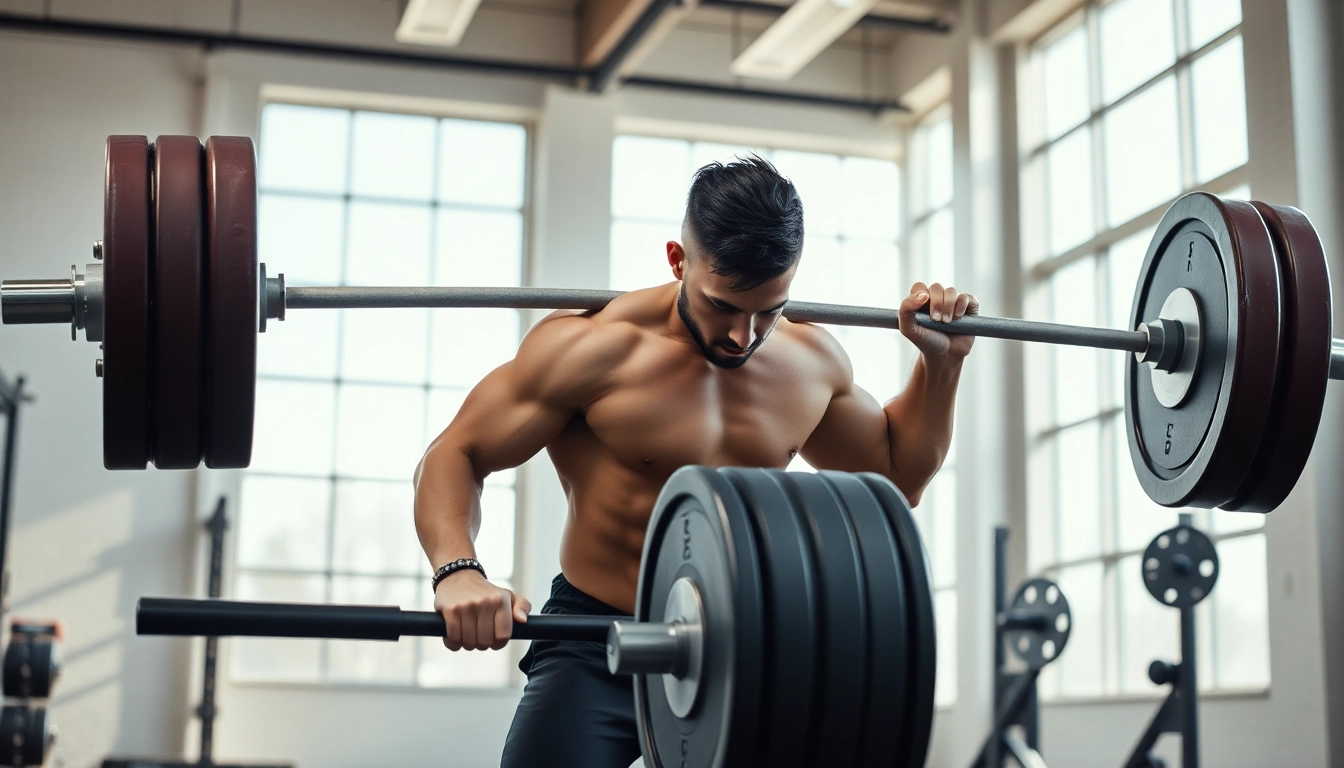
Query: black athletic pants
x=573, y=712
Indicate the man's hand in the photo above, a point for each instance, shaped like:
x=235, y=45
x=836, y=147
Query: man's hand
x=479, y=614
x=945, y=305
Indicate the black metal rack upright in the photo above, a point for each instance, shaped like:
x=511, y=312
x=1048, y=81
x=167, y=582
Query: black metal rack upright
x=12, y=395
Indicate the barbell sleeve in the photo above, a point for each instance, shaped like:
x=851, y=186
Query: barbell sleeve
x=232, y=618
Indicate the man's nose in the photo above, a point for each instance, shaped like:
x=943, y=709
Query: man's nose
x=743, y=334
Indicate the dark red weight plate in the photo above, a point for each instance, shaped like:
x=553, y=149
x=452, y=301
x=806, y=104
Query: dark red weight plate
x=917, y=726
x=844, y=674
x=793, y=618
x=1197, y=453
x=1304, y=362
x=231, y=306
x=126, y=314
x=179, y=235
x=888, y=641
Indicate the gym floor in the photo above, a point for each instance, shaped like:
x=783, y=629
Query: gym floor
x=1022, y=150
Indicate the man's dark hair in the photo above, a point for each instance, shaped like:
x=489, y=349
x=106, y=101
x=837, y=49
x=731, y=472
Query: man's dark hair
x=748, y=219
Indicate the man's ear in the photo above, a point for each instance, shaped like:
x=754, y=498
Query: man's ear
x=676, y=258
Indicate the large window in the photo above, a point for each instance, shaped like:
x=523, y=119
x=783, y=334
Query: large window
x=347, y=401
x=1132, y=103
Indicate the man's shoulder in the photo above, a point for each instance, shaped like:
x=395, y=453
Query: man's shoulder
x=819, y=348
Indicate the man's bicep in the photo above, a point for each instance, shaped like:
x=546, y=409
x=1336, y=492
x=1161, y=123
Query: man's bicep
x=852, y=435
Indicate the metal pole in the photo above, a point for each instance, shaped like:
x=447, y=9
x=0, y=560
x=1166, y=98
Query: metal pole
x=1189, y=692
x=11, y=408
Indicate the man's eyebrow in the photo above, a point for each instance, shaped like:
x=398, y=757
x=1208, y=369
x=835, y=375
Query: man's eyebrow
x=727, y=305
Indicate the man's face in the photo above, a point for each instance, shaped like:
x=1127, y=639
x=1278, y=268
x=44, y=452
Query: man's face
x=727, y=325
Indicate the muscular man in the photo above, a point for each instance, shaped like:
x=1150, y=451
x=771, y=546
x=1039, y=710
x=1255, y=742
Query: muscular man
x=702, y=370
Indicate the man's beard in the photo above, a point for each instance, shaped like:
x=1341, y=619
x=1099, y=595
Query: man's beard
x=711, y=351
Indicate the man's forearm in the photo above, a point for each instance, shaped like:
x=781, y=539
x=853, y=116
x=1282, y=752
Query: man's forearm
x=920, y=422
x=447, y=505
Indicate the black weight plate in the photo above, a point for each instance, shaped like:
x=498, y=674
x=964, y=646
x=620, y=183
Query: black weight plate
x=793, y=619
x=25, y=735
x=888, y=660
x=701, y=529
x=1197, y=453
x=1304, y=362
x=922, y=632
x=1180, y=567
x=844, y=663
x=127, y=243
x=232, y=304
x=179, y=241
x=1040, y=598
x=31, y=667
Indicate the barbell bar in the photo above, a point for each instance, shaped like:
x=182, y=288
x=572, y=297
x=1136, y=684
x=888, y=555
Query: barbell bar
x=1231, y=324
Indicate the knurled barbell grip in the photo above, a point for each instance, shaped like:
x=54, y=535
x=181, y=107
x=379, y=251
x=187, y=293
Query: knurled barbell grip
x=231, y=618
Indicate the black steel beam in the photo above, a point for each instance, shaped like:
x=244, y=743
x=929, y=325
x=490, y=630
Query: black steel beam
x=875, y=106
x=611, y=65
x=871, y=20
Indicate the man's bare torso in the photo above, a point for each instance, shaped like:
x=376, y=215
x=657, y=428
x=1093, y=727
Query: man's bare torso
x=662, y=405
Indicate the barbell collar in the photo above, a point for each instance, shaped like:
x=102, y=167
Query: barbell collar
x=1337, y=359
x=649, y=649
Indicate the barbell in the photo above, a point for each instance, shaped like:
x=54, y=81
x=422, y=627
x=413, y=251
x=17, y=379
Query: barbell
x=782, y=619
x=1231, y=347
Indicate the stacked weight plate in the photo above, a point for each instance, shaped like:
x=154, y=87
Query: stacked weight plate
x=819, y=637
x=180, y=302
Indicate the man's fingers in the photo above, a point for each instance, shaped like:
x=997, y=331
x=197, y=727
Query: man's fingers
x=911, y=304
x=963, y=303
x=487, y=623
x=503, y=617
x=948, y=309
x=468, y=621
x=452, y=640
x=521, y=607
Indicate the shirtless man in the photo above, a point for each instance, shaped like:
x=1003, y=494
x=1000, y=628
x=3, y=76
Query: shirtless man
x=620, y=398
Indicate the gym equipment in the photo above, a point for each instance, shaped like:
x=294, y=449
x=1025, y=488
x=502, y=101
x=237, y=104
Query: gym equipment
x=1180, y=567
x=1037, y=628
x=782, y=619
x=12, y=395
x=1232, y=326
x=30, y=669
x=217, y=525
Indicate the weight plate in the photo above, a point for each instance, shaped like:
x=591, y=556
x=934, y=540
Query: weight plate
x=793, y=619
x=1304, y=361
x=921, y=630
x=701, y=529
x=179, y=232
x=231, y=301
x=31, y=667
x=888, y=660
x=1040, y=598
x=844, y=674
x=126, y=314
x=25, y=735
x=1180, y=567
x=1197, y=453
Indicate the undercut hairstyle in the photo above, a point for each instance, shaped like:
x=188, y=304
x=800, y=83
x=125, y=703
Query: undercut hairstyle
x=748, y=218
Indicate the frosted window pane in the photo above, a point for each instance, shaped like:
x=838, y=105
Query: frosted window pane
x=1219, y=90
x=441, y=668
x=389, y=245
x=1079, y=495
x=283, y=523
x=1149, y=630
x=375, y=529
x=278, y=659
x=385, y=345
x=1208, y=19
x=872, y=273
x=938, y=163
x=1079, y=668
x=1041, y=470
x=380, y=431
x=1143, y=158
x=1241, y=600
x=945, y=616
x=705, y=152
x=482, y=163
x=941, y=264
x=305, y=345
x=639, y=254
x=443, y=406
x=944, y=509
x=1065, y=91
x=1138, y=518
x=1222, y=522
x=470, y=343
x=799, y=464
x=872, y=203
x=817, y=178
x=293, y=427
x=494, y=542
x=650, y=178
x=364, y=662
x=1123, y=262
x=1136, y=43
x=301, y=236
x=483, y=248
x=1069, y=172
x=819, y=272
x=304, y=148
x=1073, y=291
x=394, y=155
x=876, y=356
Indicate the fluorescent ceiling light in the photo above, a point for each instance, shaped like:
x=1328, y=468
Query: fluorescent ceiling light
x=805, y=30
x=435, y=22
